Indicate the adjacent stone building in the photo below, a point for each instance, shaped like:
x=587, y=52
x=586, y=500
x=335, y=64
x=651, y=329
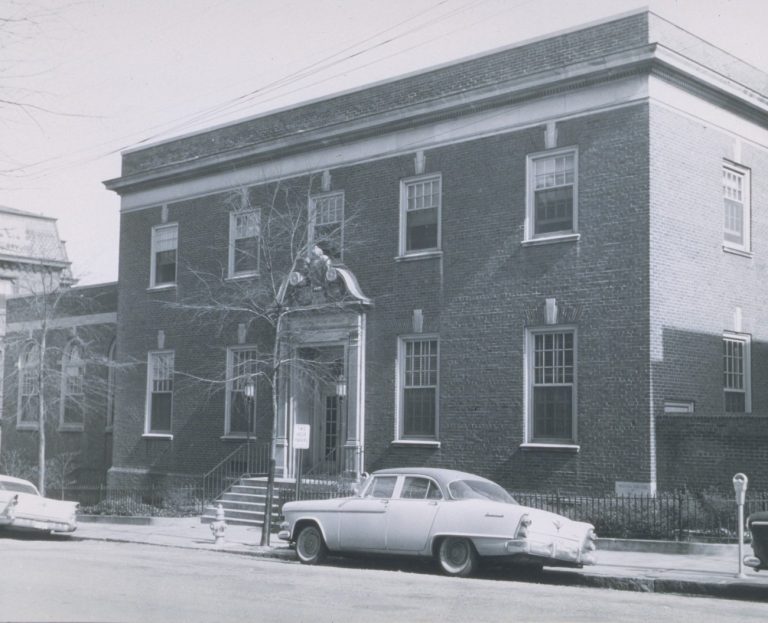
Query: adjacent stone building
x=545, y=265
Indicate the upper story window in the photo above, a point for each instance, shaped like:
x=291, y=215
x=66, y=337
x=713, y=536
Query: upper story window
x=244, y=234
x=420, y=200
x=29, y=387
x=736, y=205
x=552, y=386
x=418, y=364
x=159, y=409
x=72, y=387
x=242, y=366
x=165, y=239
x=552, y=194
x=736, y=373
x=326, y=221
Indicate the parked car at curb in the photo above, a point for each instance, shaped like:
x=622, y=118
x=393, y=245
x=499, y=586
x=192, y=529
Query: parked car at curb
x=23, y=508
x=454, y=517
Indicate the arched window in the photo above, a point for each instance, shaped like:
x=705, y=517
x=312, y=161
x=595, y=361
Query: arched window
x=111, y=359
x=72, y=391
x=29, y=387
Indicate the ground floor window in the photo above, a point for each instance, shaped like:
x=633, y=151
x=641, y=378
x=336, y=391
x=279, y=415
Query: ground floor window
x=552, y=386
x=241, y=374
x=160, y=369
x=736, y=373
x=418, y=363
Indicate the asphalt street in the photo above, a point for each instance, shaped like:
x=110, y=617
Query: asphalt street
x=65, y=580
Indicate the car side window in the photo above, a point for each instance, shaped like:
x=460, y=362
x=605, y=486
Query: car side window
x=415, y=488
x=382, y=487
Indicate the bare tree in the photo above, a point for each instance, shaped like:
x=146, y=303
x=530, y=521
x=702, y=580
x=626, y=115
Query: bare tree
x=294, y=250
x=59, y=376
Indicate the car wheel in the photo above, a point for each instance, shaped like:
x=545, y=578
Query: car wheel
x=310, y=547
x=457, y=556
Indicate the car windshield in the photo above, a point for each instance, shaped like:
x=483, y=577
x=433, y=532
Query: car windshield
x=479, y=490
x=17, y=487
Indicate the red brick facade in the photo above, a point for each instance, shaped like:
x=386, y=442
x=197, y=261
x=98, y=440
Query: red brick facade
x=645, y=286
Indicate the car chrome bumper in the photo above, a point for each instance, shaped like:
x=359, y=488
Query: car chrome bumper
x=563, y=551
x=285, y=535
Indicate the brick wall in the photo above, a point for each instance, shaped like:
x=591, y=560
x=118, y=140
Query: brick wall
x=477, y=298
x=696, y=288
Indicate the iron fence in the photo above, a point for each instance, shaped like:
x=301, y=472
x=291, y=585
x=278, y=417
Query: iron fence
x=668, y=516
x=178, y=500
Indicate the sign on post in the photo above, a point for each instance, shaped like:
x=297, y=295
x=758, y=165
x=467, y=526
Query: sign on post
x=301, y=436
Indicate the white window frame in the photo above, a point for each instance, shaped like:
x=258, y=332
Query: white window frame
x=233, y=238
x=151, y=357
x=401, y=386
x=730, y=193
x=530, y=200
x=313, y=201
x=23, y=367
x=231, y=384
x=66, y=390
x=529, y=378
x=153, y=260
x=746, y=342
x=404, y=185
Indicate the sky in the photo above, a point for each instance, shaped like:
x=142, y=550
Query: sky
x=95, y=77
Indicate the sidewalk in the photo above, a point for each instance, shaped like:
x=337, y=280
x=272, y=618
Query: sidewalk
x=660, y=567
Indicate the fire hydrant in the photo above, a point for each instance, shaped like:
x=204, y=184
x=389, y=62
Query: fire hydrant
x=219, y=526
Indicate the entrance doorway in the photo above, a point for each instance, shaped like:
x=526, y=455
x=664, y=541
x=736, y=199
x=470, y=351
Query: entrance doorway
x=319, y=404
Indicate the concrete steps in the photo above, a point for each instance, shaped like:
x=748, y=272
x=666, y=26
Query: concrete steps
x=244, y=504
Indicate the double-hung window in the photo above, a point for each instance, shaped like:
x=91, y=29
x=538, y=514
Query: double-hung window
x=736, y=206
x=552, y=386
x=29, y=387
x=326, y=221
x=160, y=369
x=420, y=200
x=244, y=242
x=72, y=391
x=552, y=194
x=418, y=406
x=242, y=366
x=736, y=373
x=165, y=239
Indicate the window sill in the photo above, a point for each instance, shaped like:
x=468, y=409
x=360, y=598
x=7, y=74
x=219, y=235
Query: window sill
x=238, y=438
x=416, y=443
x=70, y=429
x=167, y=436
x=555, y=447
x=420, y=255
x=239, y=276
x=30, y=427
x=161, y=288
x=735, y=251
x=533, y=242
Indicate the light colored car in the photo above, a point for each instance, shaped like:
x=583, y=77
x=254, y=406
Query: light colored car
x=452, y=516
x=23, y=508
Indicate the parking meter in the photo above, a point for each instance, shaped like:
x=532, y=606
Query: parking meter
x=740, y=488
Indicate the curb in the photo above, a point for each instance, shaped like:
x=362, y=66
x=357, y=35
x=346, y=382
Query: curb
x=667, y=547
x=723, y=589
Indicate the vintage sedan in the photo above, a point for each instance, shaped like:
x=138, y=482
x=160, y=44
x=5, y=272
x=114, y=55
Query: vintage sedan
x=454, y=517
x=23, y=508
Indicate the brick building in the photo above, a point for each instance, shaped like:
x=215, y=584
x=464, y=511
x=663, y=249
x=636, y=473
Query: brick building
x=74, y=330
x=544, y=264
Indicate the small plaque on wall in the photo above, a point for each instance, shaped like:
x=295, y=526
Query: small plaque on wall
x=635, y=489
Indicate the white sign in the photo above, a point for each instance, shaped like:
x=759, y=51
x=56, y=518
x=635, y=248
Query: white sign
x=301, y=436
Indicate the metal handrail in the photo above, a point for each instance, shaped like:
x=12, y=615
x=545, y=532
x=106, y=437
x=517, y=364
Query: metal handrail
x=248, y=459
